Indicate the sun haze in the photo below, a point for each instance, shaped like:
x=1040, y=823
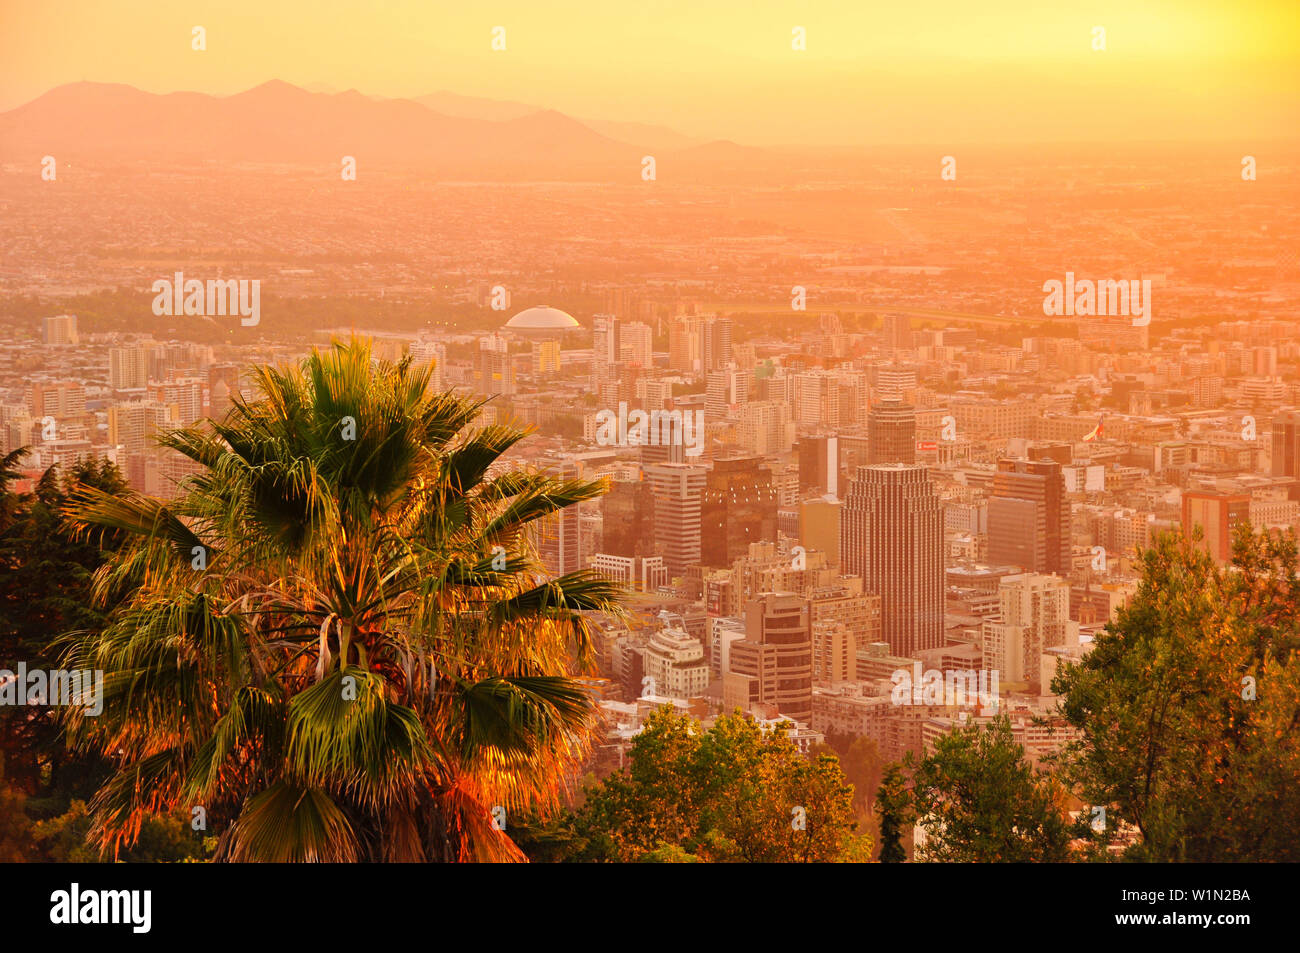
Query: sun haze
x=756, y=71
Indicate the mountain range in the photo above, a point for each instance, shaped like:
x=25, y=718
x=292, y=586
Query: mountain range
x=280, y=122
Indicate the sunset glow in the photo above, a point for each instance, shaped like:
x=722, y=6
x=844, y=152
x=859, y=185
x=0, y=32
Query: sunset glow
x=947, y=71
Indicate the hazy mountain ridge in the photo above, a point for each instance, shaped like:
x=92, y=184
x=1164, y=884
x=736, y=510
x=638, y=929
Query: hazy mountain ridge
x=280, y=122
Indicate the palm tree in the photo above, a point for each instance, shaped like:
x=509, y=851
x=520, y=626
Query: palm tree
x=338, y=639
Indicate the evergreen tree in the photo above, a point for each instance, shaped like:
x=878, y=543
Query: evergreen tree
x=893, y=813
x=1189, y=703
x=981, y=802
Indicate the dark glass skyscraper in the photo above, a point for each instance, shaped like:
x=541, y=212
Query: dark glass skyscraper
x=892, y=536
x=1029, y=516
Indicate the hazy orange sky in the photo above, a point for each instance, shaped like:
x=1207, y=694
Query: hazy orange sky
x=926, y=71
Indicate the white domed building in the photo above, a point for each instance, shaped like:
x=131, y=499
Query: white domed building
x=542, y=321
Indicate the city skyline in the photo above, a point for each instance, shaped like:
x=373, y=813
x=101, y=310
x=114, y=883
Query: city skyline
x=672, y=433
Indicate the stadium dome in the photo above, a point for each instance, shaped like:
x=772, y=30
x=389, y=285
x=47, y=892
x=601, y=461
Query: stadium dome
x=542, y=318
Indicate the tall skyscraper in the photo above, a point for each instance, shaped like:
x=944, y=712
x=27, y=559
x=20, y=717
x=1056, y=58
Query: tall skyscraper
x=739, y=508
x=606, y=351
x=678, y=490
x=716, y=347
x=773, y=663
x=1029, y=516
x=891, y=432
x=892, y=536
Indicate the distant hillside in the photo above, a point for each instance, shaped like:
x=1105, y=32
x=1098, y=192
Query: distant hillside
x=278, y=122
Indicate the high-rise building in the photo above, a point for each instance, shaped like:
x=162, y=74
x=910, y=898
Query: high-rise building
x=766, y=569
x=546, y=358
x=627, y=518
x=833, y=653
x=898, y=331
x=773, y=663
x=558, y=536
x=766, y=428
x=727, y=389
x=133, y=426
x=678, y=490
x=892, y=381
x=655, y=394
x=60, y=330
x=1034, y=614
x=716, y=344
x=1286, y=444
x=892, y=536
x=166, y=470
x=495, y=373
x=673, y=451
x=1218, y=514
x=61, y=399
x=1029, y=516
x=183, y=399
x=739, y=508
x=643, y=573
x=223, y=389
x=684, y=345
x=816, y=400
x=427, y=351
x=699, y=343
x=606, y=351
x=891, y=432
x=851, y=390
x=128, y=367
x=819, y=464
x=845, y=604
x=559, y=541
x=636, y=344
